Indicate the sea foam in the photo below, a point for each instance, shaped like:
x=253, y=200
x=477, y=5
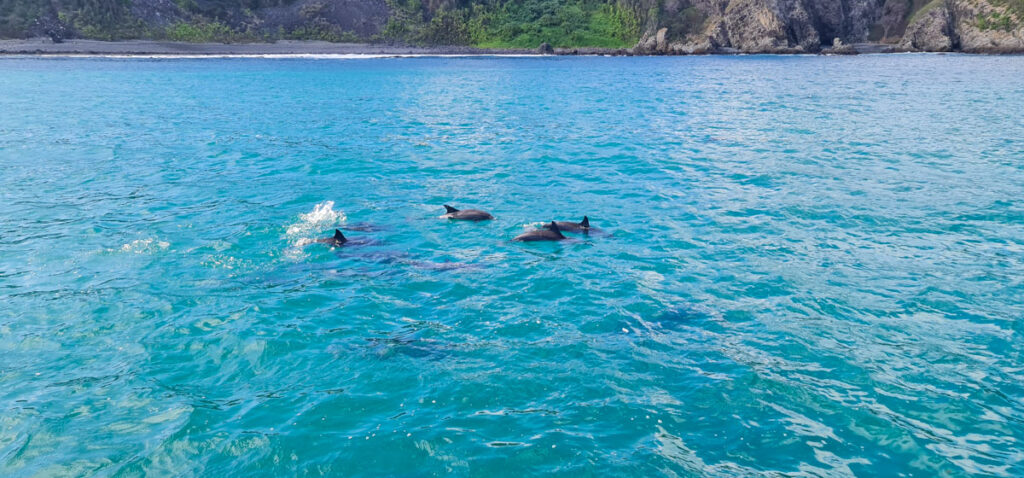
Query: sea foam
x=322, y=217
x=144, y=246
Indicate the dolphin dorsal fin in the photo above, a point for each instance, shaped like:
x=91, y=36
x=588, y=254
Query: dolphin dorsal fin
x=450, y=209
x=585, y=222
x=554, y=227
x=338, y=236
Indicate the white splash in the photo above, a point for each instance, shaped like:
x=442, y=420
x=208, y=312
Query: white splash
x=144, y=246
x=322, y=218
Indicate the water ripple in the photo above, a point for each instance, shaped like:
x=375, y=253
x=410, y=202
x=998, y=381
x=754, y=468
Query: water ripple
x=806, y=267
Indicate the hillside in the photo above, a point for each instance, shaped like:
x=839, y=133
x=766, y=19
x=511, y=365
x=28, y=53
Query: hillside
x=649, y=26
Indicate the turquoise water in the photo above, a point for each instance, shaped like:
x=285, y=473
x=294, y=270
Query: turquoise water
x=808, y=266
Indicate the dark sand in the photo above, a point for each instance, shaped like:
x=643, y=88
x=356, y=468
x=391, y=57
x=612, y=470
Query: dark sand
x=41, y=46
x=44, y=46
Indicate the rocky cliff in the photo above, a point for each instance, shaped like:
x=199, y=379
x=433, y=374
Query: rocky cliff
x=792, y=26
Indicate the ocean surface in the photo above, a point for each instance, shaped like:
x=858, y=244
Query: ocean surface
x=806, y=266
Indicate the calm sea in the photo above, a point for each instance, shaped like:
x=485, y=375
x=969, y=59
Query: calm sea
x=806, y=266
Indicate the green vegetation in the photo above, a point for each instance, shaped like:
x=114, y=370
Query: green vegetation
x=485, y=23
x=101, y=19
x=202, y=32
x=321, y=31
x=529, y=23
x=516, y=24
x=996, y=21
x=1013, y=7
x=1007, y=20
x=17, y=16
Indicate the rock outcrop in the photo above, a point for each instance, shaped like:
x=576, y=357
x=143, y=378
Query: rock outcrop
x=931, y=29
x=807, y=26
x=840, y=48
x=986, y=27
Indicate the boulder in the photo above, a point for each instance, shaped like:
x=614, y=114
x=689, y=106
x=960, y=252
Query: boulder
x=51, y=26
x=840, y=48
x=661, y=42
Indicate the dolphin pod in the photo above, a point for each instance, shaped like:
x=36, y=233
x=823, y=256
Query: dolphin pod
x=549, y=232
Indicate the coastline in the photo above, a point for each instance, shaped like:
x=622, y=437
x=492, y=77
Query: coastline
x=46, y=47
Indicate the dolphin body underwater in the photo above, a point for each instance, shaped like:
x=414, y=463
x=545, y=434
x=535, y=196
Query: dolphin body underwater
x=364, y=227
x=549, y=232
x=466, y=214
x=339, y=240
x=582, y=226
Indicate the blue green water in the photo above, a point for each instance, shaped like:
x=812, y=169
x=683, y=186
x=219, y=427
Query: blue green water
x=809, y=266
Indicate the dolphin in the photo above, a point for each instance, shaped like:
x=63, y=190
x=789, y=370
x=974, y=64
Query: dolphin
x=466, y=214
x=403, y=258
x=550, y=232
x=337, y=240
x=582, y=226
x=363, y=227
x=410, y=347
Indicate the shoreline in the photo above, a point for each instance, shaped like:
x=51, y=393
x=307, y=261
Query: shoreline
x=294, y=48
x=45, y=47
x=300, y=48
